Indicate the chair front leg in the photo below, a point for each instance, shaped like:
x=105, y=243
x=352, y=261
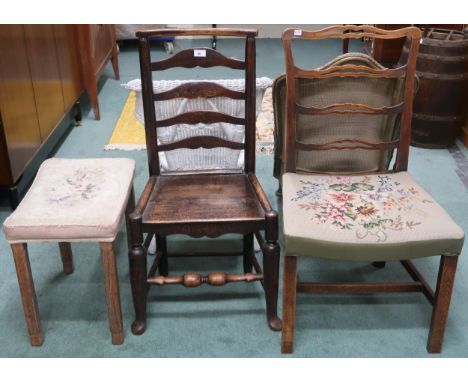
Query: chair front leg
x=138, y=274
x=443, y=295
x=289, y=303
x=271, y=259
x=28, y=293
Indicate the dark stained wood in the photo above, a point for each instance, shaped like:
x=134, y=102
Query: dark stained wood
x=201, y=202
x=248, y=253
x=202, y=116
x=250, y=99
x=443, y=295
x=202, y=89
x=206, y=142
x=360, y=288
x=28, y=293
x=221, y=32
x=111, y=283
x=289, y=304
x=67, y=257
x=203, y=199
x=186, y=59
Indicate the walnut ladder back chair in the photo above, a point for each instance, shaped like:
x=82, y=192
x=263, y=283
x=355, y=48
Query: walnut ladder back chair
x=339, y=200
x=201, y=203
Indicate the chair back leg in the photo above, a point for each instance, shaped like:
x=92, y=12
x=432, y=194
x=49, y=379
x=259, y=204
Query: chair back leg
x=289, y=303
x=443, y=295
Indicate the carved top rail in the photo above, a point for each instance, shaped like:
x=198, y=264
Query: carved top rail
x=219, y=32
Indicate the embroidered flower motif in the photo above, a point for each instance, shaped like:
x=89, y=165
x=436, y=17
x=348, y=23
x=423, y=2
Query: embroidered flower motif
x=343, y=197
x=372, y=208
x=80, y=185
x=367, y=209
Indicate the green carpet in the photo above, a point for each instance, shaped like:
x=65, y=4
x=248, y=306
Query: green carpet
x=228, y=321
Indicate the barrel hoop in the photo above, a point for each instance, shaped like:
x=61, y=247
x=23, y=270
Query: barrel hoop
x=436, y=57
x=445, y=77
x=437, y=118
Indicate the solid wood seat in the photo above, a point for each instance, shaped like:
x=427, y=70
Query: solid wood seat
x=208, y=198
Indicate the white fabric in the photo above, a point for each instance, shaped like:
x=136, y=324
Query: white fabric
x=73, y=200
x=184, y=159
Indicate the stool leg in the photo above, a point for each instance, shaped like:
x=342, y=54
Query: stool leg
x=67, y=257
x=111, y=282
x=28, y=294
x=443, y=295
x=289, y=303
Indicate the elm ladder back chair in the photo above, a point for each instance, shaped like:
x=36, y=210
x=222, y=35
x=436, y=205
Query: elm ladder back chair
x=201, y=203
x=346, y=214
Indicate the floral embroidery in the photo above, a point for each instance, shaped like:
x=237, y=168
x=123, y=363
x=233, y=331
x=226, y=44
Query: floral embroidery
x=82, y=184
x=369, y=207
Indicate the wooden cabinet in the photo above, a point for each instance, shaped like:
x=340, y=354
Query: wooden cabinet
x=40, y=82
x=98, y=45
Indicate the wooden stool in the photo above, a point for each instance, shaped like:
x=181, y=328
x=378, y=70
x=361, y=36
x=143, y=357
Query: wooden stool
x=72, y=200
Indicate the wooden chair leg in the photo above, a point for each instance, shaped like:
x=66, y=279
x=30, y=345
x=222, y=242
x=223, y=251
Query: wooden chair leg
x=28, y=293
x=128, y=210
x=138, y=274
x=111, y=282
x=248, y=252
x=67, y=257
x=271, y=259
x=115, y=62
x=443, y=295
x=289, y=304
x=379, y=264
x=161, y=247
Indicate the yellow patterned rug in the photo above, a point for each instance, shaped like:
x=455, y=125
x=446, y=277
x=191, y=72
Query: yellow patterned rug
x=129, y=132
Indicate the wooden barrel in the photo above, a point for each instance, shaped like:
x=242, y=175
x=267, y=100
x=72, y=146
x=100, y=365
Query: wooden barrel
x=441, y=102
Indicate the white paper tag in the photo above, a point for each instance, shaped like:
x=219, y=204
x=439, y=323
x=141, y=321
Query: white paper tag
x=199, y=53
x=297, y=32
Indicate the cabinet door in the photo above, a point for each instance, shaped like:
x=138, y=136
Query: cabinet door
x=102, y=43
x=20, y=124
x=45, y=73
x=66, y=40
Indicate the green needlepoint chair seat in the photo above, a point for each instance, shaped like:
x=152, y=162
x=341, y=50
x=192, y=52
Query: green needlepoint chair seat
x=377, y=217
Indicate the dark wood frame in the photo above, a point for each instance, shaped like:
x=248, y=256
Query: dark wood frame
x=141, y=279
x=111, y=283
x=441, y=299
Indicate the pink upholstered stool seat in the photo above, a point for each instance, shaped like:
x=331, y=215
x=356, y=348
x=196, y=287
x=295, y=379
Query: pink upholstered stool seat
x=72, y=200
